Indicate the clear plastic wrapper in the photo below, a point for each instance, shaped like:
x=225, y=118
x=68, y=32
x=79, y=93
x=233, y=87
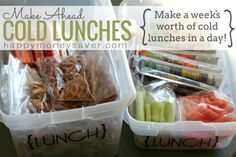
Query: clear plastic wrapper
x=156, y=102
x=39, y=100
x=81, y=77
x=81, y=80
x=180, y=88
x=4, y=88
x=212, y=79
x=65, y=80
x=207, y=106
x=27, y=90
x=170, y=58
x=19, y=88
x=209, y=57
x=173, y=78
x=101, y=78
x=4, y=96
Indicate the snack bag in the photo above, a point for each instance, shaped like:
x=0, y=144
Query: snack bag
x=81, y=80
x=207, y=106
x=156, y=102
x=81, y=77
x=26, y=89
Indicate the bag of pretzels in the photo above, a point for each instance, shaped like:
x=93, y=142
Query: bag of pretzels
x=80, y=80
x=83, y=77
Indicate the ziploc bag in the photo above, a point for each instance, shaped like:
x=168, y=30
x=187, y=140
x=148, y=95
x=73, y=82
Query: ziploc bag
x=207, y=106
x=156, y=102
x=81, y=77
x=27, y=91
x=81, y=80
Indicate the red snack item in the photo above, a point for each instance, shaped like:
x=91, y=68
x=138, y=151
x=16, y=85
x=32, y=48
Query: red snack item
x=48, y=53
x=207, y=107
x=25, y=56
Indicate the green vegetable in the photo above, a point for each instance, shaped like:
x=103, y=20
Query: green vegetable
x=148, y=113
x=162, y=111
x=155, y=112
x=140, y=106
x=148, y=109
x=169, y=112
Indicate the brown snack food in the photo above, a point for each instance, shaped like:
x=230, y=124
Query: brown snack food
x=66, y=81
x=84, y=79
x=72, y=67
x=67, y=105
x=76, y=89
x=39, y=101
x=76, y=86
x=51, y=76
x=101, y=82
x=48, y=68
x=37, y=89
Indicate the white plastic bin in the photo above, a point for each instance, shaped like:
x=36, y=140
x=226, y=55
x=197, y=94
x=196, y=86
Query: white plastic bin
x=89, y=131
x=189, y=134
x=184, y=134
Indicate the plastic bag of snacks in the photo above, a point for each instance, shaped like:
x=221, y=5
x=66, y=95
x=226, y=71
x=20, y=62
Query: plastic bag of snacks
x=60, y=83
x=207, y=106
x=27, y=89
x=156, y=102
x=80, y=77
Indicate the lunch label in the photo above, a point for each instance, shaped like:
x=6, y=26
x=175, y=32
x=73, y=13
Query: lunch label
x=75, y=136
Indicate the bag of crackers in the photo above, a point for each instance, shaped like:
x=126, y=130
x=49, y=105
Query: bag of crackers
x=61, y=83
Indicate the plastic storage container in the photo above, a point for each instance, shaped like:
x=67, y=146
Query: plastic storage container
x=188, y=134
x=90, y=131
x=185, y=134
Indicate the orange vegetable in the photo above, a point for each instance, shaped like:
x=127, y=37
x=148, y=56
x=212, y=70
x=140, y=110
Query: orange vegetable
x=25, y=56
x=226, y=118
x=207, y=107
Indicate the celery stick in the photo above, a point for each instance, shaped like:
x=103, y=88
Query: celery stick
x=155, y=112
x=162, y=111
x=140, y=106
x=169, y=112
x=148, y=113
x=147, y=107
